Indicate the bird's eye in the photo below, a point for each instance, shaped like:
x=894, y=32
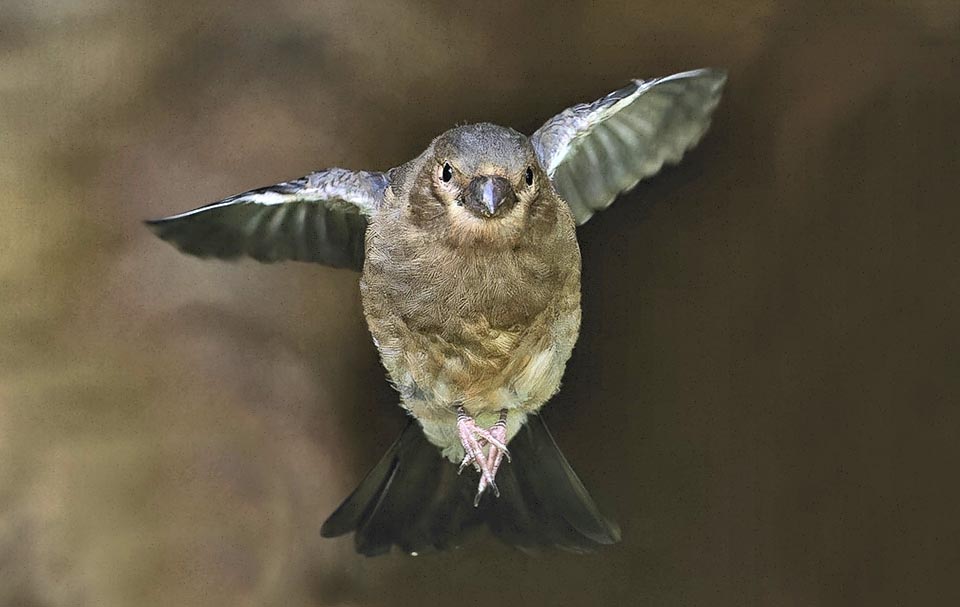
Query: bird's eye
x=447, y=173
x=529, y=176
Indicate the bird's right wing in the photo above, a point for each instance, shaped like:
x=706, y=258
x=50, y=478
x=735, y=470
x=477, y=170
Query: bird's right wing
x=320, y=218
x=593, y=152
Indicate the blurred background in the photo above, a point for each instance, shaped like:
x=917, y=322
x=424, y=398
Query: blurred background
x=764, y=394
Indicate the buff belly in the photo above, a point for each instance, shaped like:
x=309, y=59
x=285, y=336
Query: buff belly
x=434, y=379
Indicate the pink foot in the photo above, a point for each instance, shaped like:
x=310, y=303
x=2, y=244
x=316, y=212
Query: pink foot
x=494, y=456
x=474, y=438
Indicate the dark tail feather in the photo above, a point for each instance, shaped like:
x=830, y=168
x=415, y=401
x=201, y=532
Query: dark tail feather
x=542, y=500
x=414, y=499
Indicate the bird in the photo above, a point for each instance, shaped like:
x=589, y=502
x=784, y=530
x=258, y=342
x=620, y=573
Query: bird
x=470, y=286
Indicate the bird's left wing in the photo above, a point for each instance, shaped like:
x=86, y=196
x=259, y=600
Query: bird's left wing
x=320, y=218
x=595, y=151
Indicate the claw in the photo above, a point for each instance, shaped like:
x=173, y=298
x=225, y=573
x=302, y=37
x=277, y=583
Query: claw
x=467, y=460
x=495, y=456
x=474, y=439
x=469, y=431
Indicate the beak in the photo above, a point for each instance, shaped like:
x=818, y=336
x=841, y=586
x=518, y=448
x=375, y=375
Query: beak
x=487, y=195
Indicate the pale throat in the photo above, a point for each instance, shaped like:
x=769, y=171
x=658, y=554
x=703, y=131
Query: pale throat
x=466, y=228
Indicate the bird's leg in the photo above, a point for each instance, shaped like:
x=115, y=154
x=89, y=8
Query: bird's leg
x=495, y=456
x=470, y=436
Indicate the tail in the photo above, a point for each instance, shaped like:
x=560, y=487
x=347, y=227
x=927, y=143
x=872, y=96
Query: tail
x=414, y=499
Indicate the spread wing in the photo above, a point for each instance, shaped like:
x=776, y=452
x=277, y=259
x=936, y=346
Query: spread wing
x=320, y=218
x=593, y=152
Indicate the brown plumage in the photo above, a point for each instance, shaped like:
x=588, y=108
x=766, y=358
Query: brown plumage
x=471, y=290
x=467, y=310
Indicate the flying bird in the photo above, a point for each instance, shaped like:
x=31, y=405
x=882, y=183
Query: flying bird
x=471, y=290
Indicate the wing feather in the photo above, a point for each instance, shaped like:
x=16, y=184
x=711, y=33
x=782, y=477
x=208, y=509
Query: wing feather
x=593, y=152
x=319, y=218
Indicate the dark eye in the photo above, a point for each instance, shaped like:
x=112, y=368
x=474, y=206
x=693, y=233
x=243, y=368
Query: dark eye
x=447, y=173
x=529, y=176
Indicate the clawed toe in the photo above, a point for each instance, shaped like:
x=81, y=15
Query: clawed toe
x=474, y=439
x=470, y=437
x=494, y=458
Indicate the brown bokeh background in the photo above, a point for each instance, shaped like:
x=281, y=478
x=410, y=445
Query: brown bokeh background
x=764, y=393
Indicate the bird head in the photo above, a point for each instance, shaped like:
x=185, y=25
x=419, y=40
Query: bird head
x=483, y=183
